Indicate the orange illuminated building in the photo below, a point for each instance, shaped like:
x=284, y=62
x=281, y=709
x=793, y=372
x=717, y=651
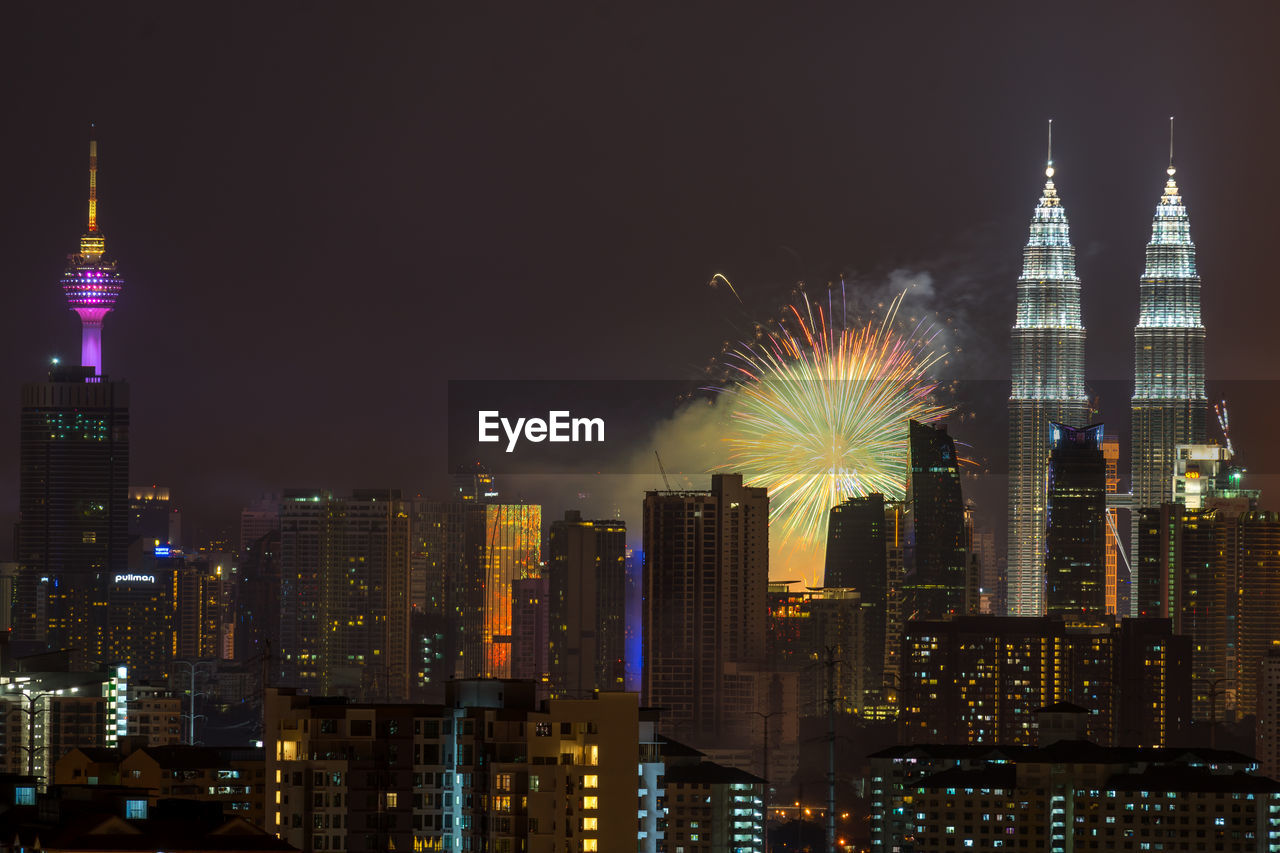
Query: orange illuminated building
x=1111, y=453
x=513, y=551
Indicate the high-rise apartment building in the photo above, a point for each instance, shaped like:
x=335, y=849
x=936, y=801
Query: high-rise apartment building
x=1075, y=542
x=344, y=593
x=257, y=621
x=802, y=626
x=530, y=632
x=936, y=559
x=489, y=769
x=1211, y=569
x=982, y=679
x=1169, y=403
x=1048, y=387
x=586, y=573
x=1267, y=729
x=1258, y=614
x=446, y=588
x=712, y=808
x=1195, y=573
x=48, y=713
x=1070, y=796
x=705, y=573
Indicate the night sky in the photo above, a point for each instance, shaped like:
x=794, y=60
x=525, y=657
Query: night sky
x=323, y=213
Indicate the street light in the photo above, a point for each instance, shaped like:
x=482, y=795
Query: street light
x=31, y=697
x=193, y=666
x=768, y=783
x=1213, y=710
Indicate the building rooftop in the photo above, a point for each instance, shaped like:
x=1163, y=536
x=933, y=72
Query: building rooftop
x=1185, y=779
x=1003, y=776
x=1068, y=752
x=1063, y=708
x=707, y=773
x=675, y=749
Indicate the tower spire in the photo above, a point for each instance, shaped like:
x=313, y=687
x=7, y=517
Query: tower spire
x=1171, y=170
x=1048, y=168
x=93, y=178
x=91, y=283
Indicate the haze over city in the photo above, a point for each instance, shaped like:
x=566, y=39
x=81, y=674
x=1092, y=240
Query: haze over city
x=324, y=216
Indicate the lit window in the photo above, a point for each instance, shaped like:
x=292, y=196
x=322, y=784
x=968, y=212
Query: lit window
x=392, y=799
x=589, y=845
x=590, y=802
x=135, y=809
x=591, y=781
x=590, y=824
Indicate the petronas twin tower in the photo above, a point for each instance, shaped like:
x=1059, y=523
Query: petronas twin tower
x=1169, y=403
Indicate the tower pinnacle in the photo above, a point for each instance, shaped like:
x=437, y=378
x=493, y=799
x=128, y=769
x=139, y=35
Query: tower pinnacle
x=93, y=179
x=1048, y=168
x=1170, y=171
x=91, y=283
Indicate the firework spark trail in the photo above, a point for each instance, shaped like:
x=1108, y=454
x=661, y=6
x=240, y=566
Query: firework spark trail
x=820, y=414
x=732, y=290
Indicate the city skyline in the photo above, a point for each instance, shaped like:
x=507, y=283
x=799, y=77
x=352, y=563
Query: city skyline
x=534, y=429
x=236, y=336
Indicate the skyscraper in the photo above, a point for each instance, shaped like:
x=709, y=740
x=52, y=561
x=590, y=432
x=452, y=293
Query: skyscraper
x=857, y=558
x=706, y=574
x=446, y=589
x=344, y=593
x=586, y=571
x=1118, y=593
x=1169, y=403
x=1048, y=387
x=153, y=516
x=1258, y=619
x=74, y=477
x=1196, y=574
x=530, y=623
x=1075, y=541
x=934, y=585
x=512, y=551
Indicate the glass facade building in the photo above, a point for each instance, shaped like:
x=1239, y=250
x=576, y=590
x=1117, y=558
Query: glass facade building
x=936, y=550
x=1169, y=406
x=1048, y=387
x=1075, y=555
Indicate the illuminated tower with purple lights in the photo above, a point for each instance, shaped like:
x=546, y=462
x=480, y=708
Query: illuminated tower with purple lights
x=91, y=282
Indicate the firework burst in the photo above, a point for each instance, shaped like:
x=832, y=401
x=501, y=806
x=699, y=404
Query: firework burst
x=819, y=413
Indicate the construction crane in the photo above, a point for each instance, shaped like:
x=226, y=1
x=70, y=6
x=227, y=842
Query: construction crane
x=663, y=470
x=1224, y=424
